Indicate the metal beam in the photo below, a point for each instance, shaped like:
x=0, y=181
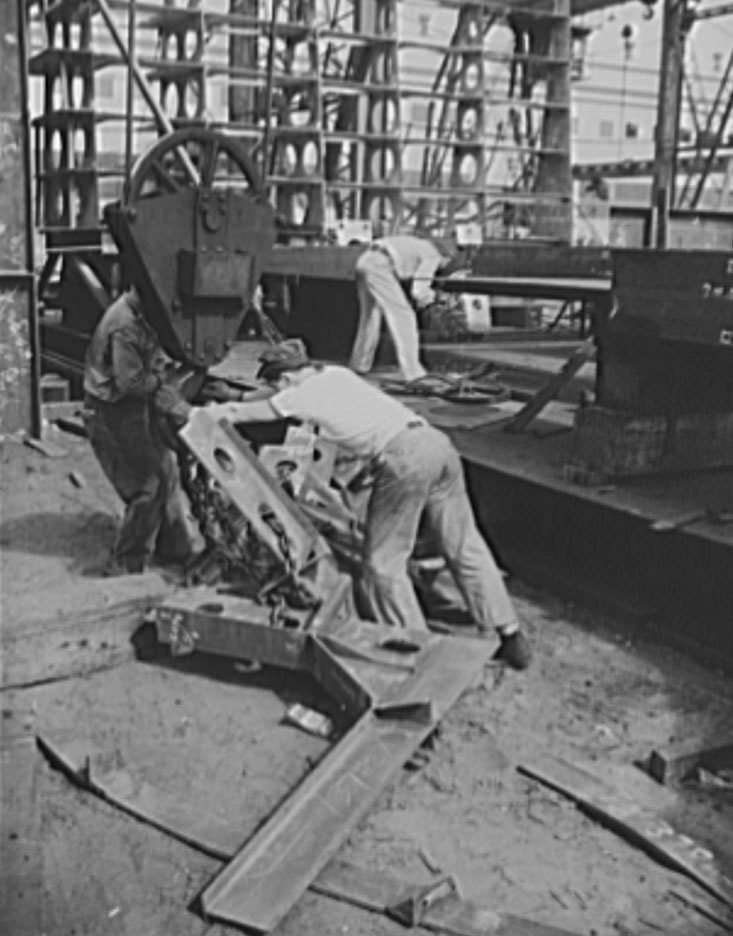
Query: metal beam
x=273, y=869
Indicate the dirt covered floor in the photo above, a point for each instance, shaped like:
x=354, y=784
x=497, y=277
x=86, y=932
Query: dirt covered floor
x=213, y=736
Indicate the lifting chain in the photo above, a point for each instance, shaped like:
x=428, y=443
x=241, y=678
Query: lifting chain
x=231, y=536
x=291, y=584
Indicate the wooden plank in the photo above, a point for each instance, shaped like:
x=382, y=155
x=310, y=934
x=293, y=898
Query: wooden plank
x=639, y=824
x=44, y=648
x=268, y=875
x=371, y=890
x=551, y=389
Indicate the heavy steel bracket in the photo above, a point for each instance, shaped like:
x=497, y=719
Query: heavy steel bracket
x=393, y=700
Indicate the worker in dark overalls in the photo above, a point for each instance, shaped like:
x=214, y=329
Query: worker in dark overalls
x=126, y=400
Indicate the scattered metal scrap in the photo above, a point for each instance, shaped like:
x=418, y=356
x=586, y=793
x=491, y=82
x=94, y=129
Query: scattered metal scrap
x=676, y=766
x=703, y=908
x=639, y=825
x=471, y=387
x=434, y=906
x=45, y=447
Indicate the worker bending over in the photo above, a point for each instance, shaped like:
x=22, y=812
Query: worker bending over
x=416, y=470
x=125, y=401
x=380, y=271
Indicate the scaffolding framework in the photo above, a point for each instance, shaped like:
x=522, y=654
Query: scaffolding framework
x=322, y=91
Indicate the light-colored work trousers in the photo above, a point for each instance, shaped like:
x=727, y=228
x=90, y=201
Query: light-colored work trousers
x=421, y=472
x=144, y=473
x=380, y=294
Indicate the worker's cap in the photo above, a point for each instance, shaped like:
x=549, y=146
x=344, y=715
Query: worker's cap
x=285, y=356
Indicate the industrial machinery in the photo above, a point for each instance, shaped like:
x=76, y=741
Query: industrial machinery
x=663, y=328
x=194, y=231
x=193, y=235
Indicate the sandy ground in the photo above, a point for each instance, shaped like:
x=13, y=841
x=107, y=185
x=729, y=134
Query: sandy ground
x=215, y=738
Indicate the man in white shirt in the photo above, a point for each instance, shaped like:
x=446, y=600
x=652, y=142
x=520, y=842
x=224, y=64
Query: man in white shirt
x=416, y=471
x=380, y=271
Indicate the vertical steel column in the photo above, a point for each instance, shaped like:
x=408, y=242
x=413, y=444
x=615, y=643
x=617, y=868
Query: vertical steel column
x=243, y=54
x=34, y=341
x=19, y=358
x=130, y=103
x=668, y=108
x=554, y=175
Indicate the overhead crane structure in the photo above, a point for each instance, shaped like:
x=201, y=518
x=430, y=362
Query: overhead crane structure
x=680, y=172
x=322, y=92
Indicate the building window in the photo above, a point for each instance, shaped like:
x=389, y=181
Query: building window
x=605, y=129
x=418, y=112
x=106, y=87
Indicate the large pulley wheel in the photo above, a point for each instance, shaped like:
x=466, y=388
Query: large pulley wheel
x=195, y=230
x=193, y=157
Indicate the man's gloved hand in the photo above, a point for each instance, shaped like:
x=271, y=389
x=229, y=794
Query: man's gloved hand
x=168, y=401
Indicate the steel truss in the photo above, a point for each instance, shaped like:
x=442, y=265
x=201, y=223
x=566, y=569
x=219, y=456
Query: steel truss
x=322, y=91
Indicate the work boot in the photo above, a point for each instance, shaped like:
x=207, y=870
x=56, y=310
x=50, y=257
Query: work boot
x=514, y=650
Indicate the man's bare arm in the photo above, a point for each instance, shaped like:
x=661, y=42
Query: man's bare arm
x=250, y=410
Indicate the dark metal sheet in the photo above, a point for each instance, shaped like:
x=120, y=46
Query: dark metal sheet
x=674, y=295
x=268, y=875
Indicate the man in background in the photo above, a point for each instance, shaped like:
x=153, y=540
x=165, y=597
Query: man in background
x=125, y=401
x=380, y=272
x=416, y=471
